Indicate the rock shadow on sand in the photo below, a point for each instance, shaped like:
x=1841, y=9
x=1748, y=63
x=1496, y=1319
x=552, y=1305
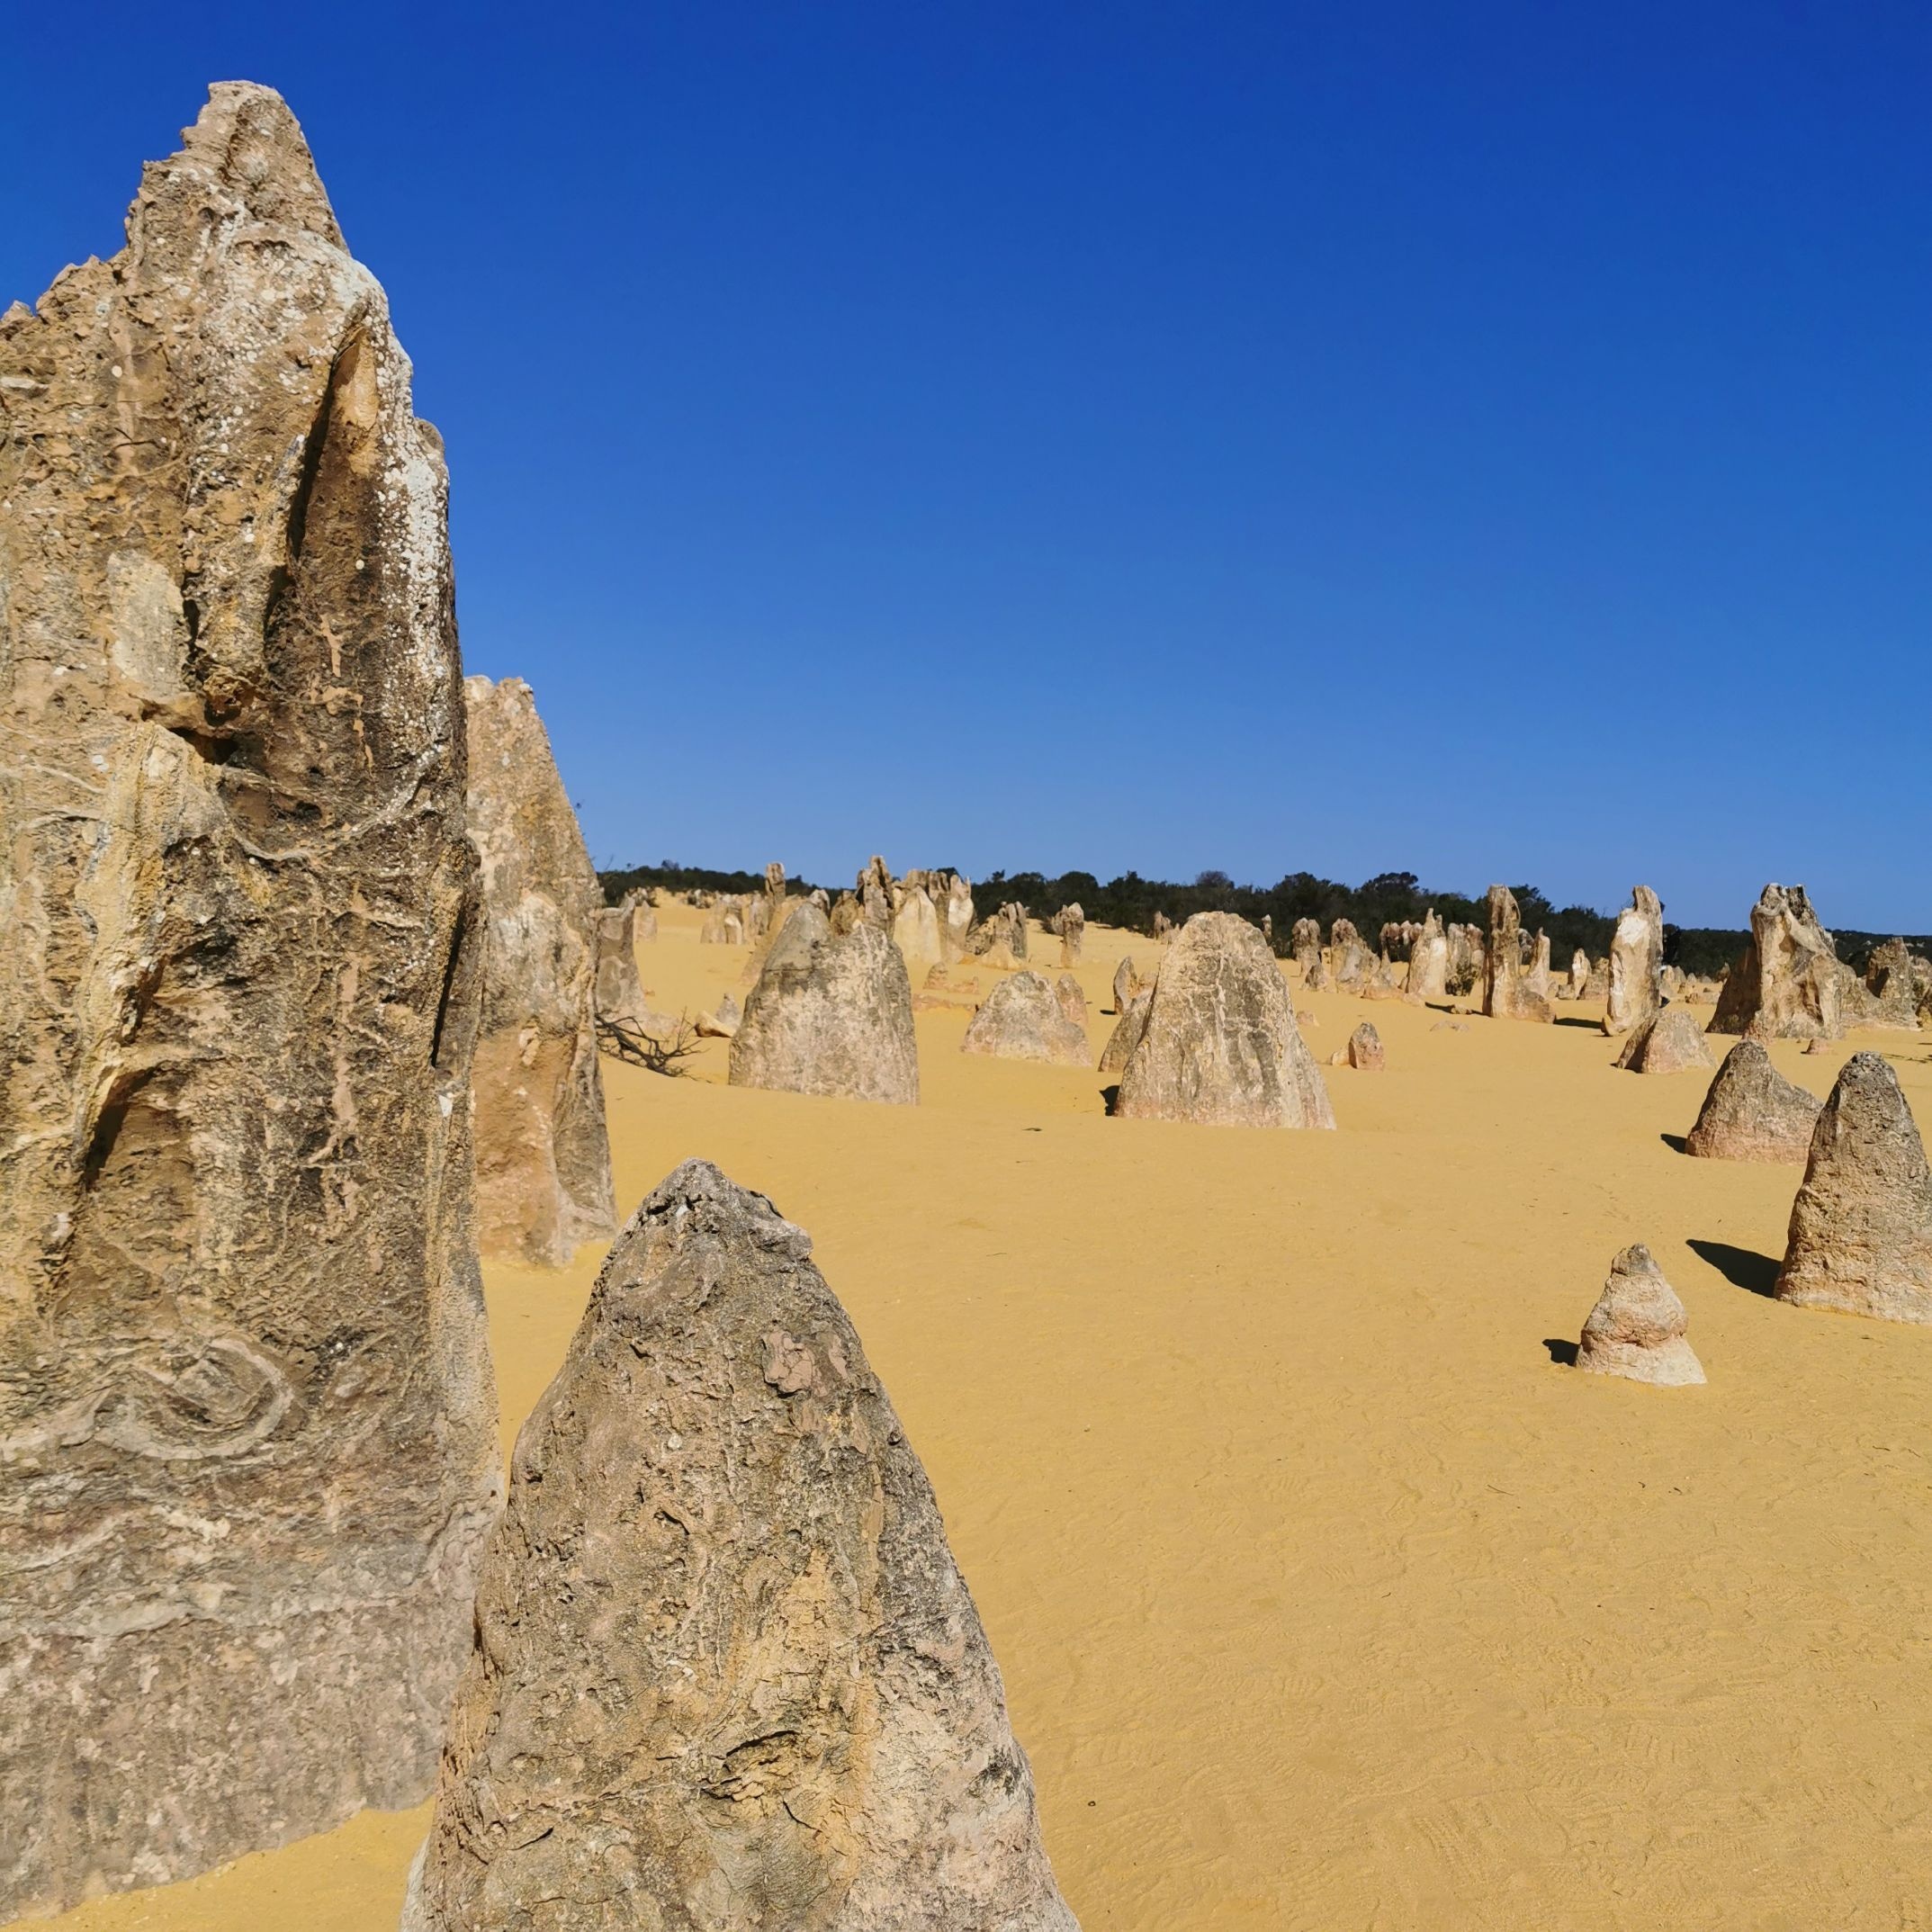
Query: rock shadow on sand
x=1742, y=1267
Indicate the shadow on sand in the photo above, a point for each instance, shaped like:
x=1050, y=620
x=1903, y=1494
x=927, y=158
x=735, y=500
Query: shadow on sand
x=1675, y=1142
x=1742, y=1267
x=1563, y=1353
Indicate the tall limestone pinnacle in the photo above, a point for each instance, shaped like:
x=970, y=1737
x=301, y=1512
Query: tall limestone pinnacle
x=726, y=1672
x=247, y=1418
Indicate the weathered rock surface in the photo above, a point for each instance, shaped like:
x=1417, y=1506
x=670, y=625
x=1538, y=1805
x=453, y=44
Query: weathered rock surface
x=1023, y=1019
x=1001, y=938
x=1468, y=960
x=1789, y=984
x=1127, y=1030
x=1752, y=1112
x=721, y=1023
x=1218, y=1044
x=1579, y=974
x=1509, y=990
x=959, y=917
x=873, y=892
x=831, y=1014
x=1073, y=1001
x=643, y=918
x=1861, y=1227
x=727, y=1673
x=1638, y=1328
x=1350, y=962
x=246, y=1411
x=1636, y=963
x=1666, y=1041
x=1365, y=1053
x=1428, y=975
x=1891, y=987
x=620, y=992
x=1127, y=983
x=543, y=1156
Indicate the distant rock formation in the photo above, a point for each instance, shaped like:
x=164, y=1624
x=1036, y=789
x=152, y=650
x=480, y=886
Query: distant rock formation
x=1892, y=987
x=1579, y=974
x=1365, y=1053
x=542, y=1157
x=1789, y=983
x=1636, y=963
x=1468, y=960
x=1022, y=1019
x=1163, y=926
x=873, y=892
x=1638, y=1328
x=831, y=1014
x=621, y=999
x=1127, y=983
x=1752, y=1112
x=1001, y=938
x=1070, y=923
x=721, y=1023
x=1428, y=975
x=1350, y=962
x=1305, y=945
x=643, y=918
x=245, y=1390
x=1666, y=1041
x=916, y=928
x=959, y=917
x=1509, y=991
x=1073, y=1001
x=726, y=1671
x=1220, y=1044
x=1861, y=1228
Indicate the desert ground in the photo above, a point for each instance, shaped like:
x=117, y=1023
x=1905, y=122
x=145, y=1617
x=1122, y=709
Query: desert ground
x=1326, y=1592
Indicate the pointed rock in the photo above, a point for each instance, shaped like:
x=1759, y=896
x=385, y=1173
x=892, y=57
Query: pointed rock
x=1752, y=1112
x=1023, y=1019
x=1127, y=983
x=1428, y=974
x=831, y=1013
x=1127, y=1030
x=543, y=1154
x=1220, y=1044
x=727, y=1673
x=915, y=930
x=1637, y=1328
x=1861, y=1228
x=1667, y=1041
x=247, y=1424
x=1636, y=964
x=1365, y=1052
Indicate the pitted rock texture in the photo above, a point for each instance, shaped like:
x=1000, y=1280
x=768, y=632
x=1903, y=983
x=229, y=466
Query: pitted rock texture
x=727, y=1673
x=1752, y=1112
x=1666, y=1041
x=1127, y=983
x=1023, y=1019
x=1366, y=1053
x=1636, y=964
x=543, y=1154
x=1861, y=1227
x=1789, y=984
x=1638, y=1328
x=1218, y=1044
x=246, y=1411
x=1510, y=991
x=831, y=1014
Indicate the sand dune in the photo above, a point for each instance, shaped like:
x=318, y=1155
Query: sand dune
x=1324, y=1596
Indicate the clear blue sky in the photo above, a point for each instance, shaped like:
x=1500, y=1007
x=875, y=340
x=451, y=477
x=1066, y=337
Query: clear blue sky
x=1492, y=441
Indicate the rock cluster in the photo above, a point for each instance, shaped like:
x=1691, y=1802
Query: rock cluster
x=1001, y=938
x=1511, y=992
x=1638, y=1328
x=1025, y=1019
x=1789, y=983
x=726, y=1670
x=1861, y=1227
x=831, y=1014
x=245, y=1391
x=542, y=1157
x=1752, y=1112
x=1636, y=963
x=1216, y=1041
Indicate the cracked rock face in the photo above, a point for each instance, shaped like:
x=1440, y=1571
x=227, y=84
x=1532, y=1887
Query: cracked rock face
x=1637, y=1328
x=1025, y=1019
x=543, y=1154
x=1217, y=1040
x=1861, y=1227
x=1636, y=964
x=831, y=1014
x=1752, y=1112
x=726, y=1674
x=245, y=1410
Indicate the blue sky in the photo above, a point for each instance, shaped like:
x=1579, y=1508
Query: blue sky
x=1491, y=441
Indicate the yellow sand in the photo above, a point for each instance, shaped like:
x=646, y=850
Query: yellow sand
x=1324, y=1597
